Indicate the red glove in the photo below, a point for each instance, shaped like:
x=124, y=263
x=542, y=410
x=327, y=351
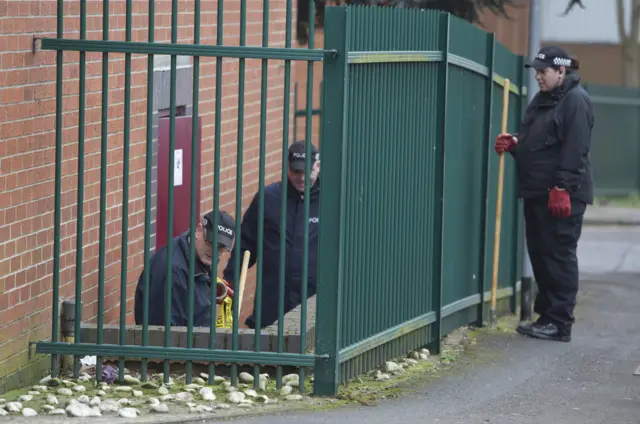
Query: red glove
x=559, y=203
x=505, y=143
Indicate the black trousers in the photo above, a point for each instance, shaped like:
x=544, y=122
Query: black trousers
x=552, y=243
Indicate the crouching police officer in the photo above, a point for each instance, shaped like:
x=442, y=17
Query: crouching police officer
x=294, y=235
x=554, y=179
x=202, y=307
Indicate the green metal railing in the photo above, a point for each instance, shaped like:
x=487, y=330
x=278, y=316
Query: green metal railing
x=151, y=48
x=408, y=187
x=615, y=142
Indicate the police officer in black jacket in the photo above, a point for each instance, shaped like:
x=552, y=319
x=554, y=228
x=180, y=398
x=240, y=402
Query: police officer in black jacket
x=294, y=236
x=180, y=274
x=555, y=181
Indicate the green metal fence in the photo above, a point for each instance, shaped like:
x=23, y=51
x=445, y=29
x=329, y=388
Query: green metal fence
x=407, y=235
x=408, y=192
x=615, y=144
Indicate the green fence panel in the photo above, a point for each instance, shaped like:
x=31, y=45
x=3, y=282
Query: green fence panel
x=465, y=157
x=615, y=141
x=408, y=132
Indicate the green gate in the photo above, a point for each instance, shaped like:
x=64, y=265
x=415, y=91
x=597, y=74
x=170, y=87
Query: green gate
x=143, y=350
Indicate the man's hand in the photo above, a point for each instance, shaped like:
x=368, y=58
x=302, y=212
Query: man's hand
x=559, y=203
x=505, y=143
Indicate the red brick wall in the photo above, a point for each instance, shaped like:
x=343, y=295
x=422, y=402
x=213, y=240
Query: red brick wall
x=27, y=152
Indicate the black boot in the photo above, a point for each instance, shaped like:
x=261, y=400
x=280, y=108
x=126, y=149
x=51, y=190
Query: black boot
x=550, y=331
x=525, y=327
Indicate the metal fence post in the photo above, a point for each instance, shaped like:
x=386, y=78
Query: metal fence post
x=327, y=366
x=490, y=63
x=436, y=293
x=527, y=272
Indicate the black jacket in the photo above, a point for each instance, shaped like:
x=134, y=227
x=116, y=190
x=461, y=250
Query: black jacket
x=271, y=247
x=179, y=288
x=554, y=143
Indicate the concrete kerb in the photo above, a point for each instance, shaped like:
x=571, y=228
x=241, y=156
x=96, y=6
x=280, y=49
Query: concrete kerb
x=607, y=216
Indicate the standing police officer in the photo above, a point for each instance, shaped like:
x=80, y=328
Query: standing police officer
x=204, y=253
x=554, y=179
x=294, y=236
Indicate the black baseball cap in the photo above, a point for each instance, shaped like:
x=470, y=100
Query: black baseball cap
x=226, y=225
x=297, y=153
x=550, y=57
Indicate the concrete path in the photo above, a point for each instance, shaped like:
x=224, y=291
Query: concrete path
x=589, y=380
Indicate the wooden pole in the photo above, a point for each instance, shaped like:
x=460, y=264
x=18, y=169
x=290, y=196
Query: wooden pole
x=496, y=241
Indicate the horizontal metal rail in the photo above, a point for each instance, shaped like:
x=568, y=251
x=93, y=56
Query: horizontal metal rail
x=196, y=50
x=386, y=336
x=433, y=56
x=180, y=354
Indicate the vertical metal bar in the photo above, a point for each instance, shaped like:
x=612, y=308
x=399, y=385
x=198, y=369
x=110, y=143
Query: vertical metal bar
x=307, y=200
x=125, y=190
x=80, y=203
x=488, y=148
x=295, y=109
x=320, y=114
x=237, y=259
x=443, y=84
x=532, y=86
x=263, y=152
x=216, y=176
x=170, y=207
x=283, y=205
x=515, y=207
x=194, y=170
x=147, y=201
x=58, y=184
x=331, y=236
x=103, y=183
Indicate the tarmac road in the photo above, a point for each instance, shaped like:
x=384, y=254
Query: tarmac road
x=589, y=380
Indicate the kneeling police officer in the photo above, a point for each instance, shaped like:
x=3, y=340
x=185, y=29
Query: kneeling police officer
x=180, y=274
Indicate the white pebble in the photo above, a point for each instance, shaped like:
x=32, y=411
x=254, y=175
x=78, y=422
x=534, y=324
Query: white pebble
x=160, y=408
x=235, y=397
x=28, y=412
x=293, y=397
x=14, y=407
x=26, y=398
x=128, y=412
x=286, y=390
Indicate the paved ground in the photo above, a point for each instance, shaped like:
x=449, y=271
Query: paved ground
x=528, y=381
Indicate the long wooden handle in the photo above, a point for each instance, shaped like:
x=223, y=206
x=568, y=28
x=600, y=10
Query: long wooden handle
x=243, y=278
x=496, y=241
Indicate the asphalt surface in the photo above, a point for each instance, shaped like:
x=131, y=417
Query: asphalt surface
x=589, y=380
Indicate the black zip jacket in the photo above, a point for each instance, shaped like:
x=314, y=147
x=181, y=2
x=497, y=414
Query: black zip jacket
x=554, y=143
x=179, y=288
x=271, y=248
